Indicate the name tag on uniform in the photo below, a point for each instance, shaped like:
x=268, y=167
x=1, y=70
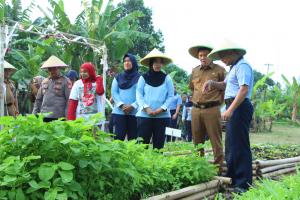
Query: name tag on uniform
x=173, y=132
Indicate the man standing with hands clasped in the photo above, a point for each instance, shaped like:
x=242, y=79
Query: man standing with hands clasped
x=238, y=87
x=206, y=114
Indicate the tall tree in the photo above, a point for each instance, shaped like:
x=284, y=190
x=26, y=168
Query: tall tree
x=141, y=46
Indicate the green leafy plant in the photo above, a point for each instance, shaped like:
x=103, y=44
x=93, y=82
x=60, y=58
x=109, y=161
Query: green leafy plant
x=63, y=160
x=287, y=188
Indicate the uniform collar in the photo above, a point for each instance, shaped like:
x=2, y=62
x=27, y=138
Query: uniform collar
x=55, y=78
x=236, y=62
x=210, y=66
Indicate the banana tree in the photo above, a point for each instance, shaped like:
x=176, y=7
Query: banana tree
x=15, y=12
x=257, y=99
x=117, y=34
x=293, y=90
x=2, y=10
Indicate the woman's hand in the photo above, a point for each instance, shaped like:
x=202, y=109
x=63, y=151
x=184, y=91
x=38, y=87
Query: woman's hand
x=127, y=108
x=158, y=111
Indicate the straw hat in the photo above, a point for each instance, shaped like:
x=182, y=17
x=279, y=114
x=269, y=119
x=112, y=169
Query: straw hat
x=226, y=45
x=9, y=66
x=155, y=54
x=53, y=61
x=195, y=49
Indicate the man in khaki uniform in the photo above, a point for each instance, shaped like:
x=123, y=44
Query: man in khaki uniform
x=206, y=105
x=10, y=92
x=53, y=95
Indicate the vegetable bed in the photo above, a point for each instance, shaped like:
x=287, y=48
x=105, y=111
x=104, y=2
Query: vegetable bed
x=63, y=160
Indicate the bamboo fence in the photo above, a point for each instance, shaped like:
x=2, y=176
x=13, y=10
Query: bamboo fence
x=200, y=191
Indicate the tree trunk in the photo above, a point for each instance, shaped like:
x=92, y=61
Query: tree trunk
x=255, y=125
x=295, y=107
x=271, y=125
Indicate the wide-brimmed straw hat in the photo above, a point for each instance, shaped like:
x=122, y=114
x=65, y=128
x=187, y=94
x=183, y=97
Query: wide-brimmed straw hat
x=226, y=45
x=195, y=49
x=53, y=61
x=155, y=53
x=9, y=66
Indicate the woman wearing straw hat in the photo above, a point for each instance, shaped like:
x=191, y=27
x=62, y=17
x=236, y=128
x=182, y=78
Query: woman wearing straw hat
x=123, y=92
x=238, y=114
x=10, y=93
x=206, y=114
x=54, y=92
x=154, y=93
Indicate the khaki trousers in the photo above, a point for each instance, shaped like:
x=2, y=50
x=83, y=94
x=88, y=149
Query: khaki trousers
x=208, y=121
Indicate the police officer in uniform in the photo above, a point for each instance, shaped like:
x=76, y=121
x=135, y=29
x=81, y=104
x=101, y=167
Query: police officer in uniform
x=206, y=116
x=54, y=92
x=238, y=114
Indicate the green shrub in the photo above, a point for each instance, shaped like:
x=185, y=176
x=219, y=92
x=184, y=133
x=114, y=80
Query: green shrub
x=62, y=160
x=288, y=188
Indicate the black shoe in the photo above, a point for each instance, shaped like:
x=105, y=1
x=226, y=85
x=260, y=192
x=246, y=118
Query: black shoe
x=239, y=190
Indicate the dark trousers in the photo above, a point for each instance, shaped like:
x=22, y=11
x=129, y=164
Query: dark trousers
x=125, y=125
x=172, y=124
x=188, y=130
x=237, y=146
x=111, y=124
x=47, y=119
x=152, y=127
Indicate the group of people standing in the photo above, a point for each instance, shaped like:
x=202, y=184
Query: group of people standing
x=150, y=107
x=144, y=103
x=211, y=87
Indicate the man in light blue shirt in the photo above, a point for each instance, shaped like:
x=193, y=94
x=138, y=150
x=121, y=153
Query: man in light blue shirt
x=238, y=114
x=187, y=118
x=174, y=109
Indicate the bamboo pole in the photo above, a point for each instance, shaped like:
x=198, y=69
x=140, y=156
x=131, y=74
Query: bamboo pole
x=224, y=180
x=176, y=153
x=276, y=167
x=254, y=164
x=224, y=170
x=187, y=191
x=279, y=172
x=266, y=163
x=202, y=195
x=2, y=47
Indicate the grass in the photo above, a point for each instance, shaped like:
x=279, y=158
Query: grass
x=282, y=133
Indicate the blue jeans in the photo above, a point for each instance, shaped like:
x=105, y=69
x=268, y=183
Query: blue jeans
x=237, y=145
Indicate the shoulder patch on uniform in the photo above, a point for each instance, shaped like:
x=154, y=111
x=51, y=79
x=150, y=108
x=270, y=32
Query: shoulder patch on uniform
x=46, y=80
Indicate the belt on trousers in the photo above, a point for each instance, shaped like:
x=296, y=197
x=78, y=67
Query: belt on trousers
x=206, y=105
x=229, y=101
